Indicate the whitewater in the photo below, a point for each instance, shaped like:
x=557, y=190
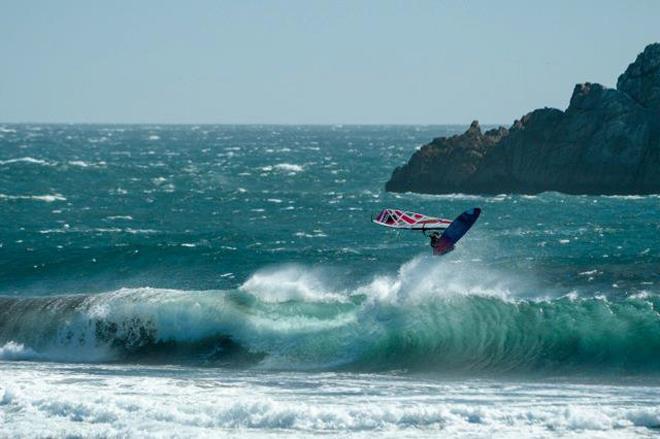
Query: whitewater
x=223, y=280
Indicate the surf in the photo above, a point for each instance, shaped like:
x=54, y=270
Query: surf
x=426, y=317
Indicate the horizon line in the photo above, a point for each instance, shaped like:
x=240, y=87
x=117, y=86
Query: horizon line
x=328, y=124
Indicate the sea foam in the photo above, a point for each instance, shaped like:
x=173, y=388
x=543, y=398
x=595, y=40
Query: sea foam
x=143, y=403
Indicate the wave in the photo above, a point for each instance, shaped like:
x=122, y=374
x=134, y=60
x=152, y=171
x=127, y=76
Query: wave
x=41, y=162
x=84, y=164
x=49, y=198
x=27, y=160
x=15, y=351
x=284, y=167
x=104, y=411
x=430, y=316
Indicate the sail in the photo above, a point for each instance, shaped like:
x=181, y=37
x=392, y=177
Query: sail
x=399, y=219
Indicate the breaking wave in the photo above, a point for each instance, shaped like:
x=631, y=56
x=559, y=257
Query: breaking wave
x=429, y=316
x=26, y=160
x=49, y=198
x=116, y=412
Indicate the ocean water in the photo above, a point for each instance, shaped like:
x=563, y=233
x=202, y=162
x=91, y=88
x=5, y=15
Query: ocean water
x=226, y=280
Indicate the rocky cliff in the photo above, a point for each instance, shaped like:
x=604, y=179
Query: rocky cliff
x=606, y=142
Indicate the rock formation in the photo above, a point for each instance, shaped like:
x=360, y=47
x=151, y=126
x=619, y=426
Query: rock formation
x=606, y=142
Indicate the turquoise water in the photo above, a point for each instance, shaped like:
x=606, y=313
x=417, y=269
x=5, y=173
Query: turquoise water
x=245, y=254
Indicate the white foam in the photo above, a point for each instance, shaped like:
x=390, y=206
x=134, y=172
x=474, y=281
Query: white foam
x=84, y=164
x=140, y=231
x=111, y=401
x=67, y=229
x=118, y=191
x=428, y=278
x=284, y=167
x=421, y=279
x=29, y=160
x=289, y=167
x=47, y=198
x=310, y=235
x=12, y=351
x=455, y=196
x=293, y=282
x=627, y=197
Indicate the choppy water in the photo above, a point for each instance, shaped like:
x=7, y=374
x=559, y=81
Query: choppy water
x=197, y=279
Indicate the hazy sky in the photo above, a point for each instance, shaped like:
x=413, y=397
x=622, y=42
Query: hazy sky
x=307, y=61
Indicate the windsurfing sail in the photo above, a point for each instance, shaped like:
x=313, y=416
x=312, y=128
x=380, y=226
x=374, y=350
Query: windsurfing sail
x=399, y=219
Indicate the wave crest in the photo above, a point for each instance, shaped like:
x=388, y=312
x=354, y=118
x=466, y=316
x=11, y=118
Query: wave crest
x=433, y=317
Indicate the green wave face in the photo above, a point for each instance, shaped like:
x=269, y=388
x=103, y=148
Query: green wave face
x=290, y=319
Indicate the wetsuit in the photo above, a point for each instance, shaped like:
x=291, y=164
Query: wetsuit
x=440, y=246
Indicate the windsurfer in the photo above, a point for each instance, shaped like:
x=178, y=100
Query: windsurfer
x=440, y=246
x=435, y=239
x=444, y=234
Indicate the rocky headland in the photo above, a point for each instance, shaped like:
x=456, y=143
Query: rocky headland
x=606, y=142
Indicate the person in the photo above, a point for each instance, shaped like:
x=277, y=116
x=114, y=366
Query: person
x=435, y=239
x=440, y=246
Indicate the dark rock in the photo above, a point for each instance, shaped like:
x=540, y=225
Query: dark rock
x=606, y=142
x=641, y=80
x=460, y=156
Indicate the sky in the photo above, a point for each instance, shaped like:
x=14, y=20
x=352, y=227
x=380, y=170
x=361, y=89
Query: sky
x=309, y=62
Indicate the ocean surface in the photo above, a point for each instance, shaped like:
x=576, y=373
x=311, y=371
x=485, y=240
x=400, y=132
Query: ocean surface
x=161, y=281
